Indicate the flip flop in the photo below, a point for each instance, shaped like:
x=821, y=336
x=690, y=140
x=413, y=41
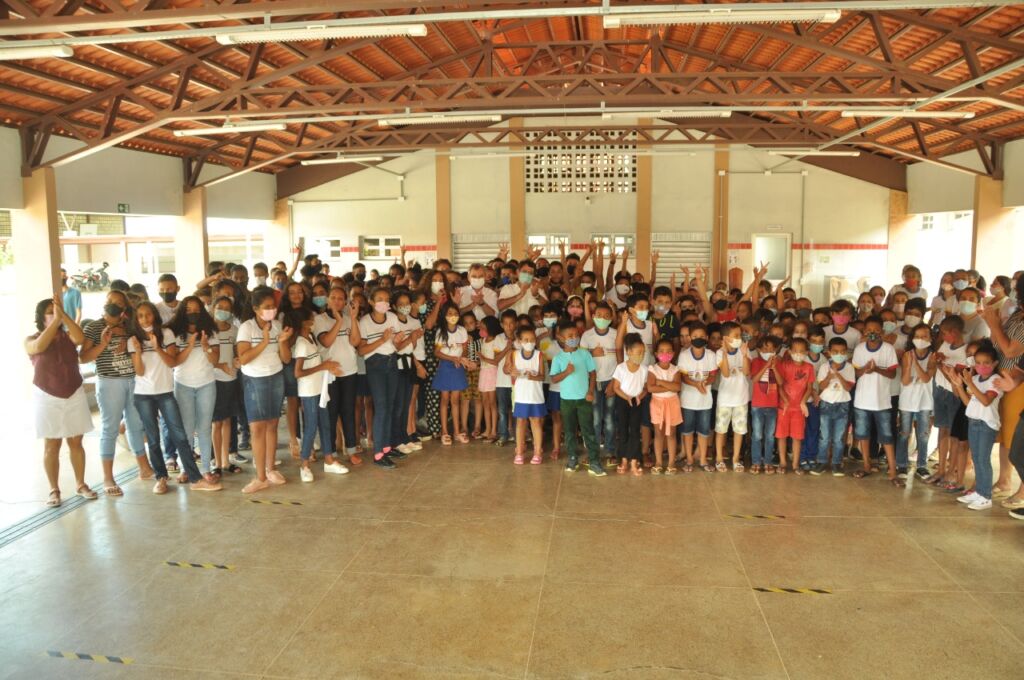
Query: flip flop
x=861, y=473
x=897, y=482
x=114, y=490
x=54, y=499
x=85, y=492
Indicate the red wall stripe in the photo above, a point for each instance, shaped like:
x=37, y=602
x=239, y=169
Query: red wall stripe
x=822, y=246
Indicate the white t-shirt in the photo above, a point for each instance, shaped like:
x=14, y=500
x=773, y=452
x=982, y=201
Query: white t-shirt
x=158, y=377
x=341, y=350
x=989, y=414
x=197, y=369
x=605, y=364
x=408, y=326
x=666, y=374
x=834, y=393
x=490, y=296
x=942, y=307
x=522, y=306
x=370, y=331
x=269, y=360
x=526, y=390
x=549, y=347
x=612, y=298
x=976, y=328
x=454, y=346
x=499, y=345
x=631, y=383
x=900, y=288
x=733, y=390
x=226, y=345
x=917, y=396
x=310, y=385
x=851, y=335
x=646, y=333
x=696, y=369
x=874, y=392
x=954, y=357
x=166, y=311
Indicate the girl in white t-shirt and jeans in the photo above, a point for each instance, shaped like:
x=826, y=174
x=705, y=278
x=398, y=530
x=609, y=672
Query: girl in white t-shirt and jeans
x=979, y=392
x=263, y=350
x=916, y=399
x=310, y=372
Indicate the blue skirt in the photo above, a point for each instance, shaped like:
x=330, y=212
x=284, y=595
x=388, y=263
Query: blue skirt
x=263, y=397
x=529, y=410
x=450, y=378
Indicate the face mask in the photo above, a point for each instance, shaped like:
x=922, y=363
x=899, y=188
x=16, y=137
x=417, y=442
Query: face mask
x=476, y=283
x=422, y=309
x=525, y=278
x=452, y=320
x=879, y=299
x=872, y=337
x=866, y=308
x=602, y=324
x=113, y=309
x=721, y=305
x=840, y=319
x=641, y=314
x=803, y=314
x=665, y=357
x=47, y=319
x=959, y=284
x=63, y=280
x=222, y=315
x=699, y=343
x=968, y=307
x=888, y=327
x=436, y=287
x=921, y=343
x=798, y=358
x=898, y=307
x=766, y=355
x=147, y=329
x=983, y=371
x=800, y=335
x=404, y=310
x=816, y=348
x=996, y=291
x=912, y=320
x=635, y=359
x=279, y=285
x=549, y=321
x=192, y=318
x=268, y=314
x=745, y=337
x=261, y=280
x=838, y=358
x=622, y=289
x=360, y=276
x=735, y=343
x=571, y=269
x=168, y=297
x=527, y=346
x=572, y=343
x=946, y=287
x=320, y=301
x=661, y=309
x=381, y=307
x=910, y=283
x=575, y=312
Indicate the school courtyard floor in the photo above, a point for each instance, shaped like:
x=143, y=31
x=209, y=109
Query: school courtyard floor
x=461, y=565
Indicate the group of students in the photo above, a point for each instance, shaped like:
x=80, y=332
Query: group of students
x=638, y=376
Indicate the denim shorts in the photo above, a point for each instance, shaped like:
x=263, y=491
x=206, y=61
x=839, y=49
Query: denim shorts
x=263, y=397
x=946, y=406
x=697, y=421
x=862, y=425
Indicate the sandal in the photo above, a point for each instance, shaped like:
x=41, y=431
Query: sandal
x=720, y=466
x=799, y=471
x=861, y=473
x=671, y=470
x=85, y=492
x=183, y=478
x=518, y=460
x=897, y=482
x=688, y=468
x=172, y=466
x=555, y=453
x=622, y=467
x=737, y=466
x=782, y=470
x=537, y=459
x=708, y=467
x=755, y=469
x=463, y=439
x=655, y=470
x=446, y=440
x=54, y=499
x=113, y=490
x=638, y=471
x=233, y=469
x=769, y=469
x=476, y=435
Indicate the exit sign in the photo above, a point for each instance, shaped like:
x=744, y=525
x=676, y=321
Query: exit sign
x=123, y=208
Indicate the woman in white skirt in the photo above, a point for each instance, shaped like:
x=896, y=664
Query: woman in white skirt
x=60, y=407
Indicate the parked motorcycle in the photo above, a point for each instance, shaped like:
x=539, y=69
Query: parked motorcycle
x=92, y=279
x=101, y=278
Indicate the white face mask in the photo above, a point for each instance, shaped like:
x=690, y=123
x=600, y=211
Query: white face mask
x=735, y=343
x=921, y=343
x=766, y=355
x=436, y=287
x=527, y=346
x=622, y=289
x=798, y=358
x=476, y=282
x=911, y=320
x=261, y=280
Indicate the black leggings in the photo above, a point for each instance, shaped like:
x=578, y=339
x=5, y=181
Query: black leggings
x=627, y=429
x=343, y=405
x=1017, y=448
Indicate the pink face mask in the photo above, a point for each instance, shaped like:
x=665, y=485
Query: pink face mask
x=840, y=319
x=381, y=307
x=268, y=314
x=983, y=371
x=664, y=357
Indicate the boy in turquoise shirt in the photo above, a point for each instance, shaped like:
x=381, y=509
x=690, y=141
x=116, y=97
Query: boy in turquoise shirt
x=574, y=371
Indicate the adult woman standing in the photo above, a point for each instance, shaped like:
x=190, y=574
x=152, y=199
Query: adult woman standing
x=106, y=343
x=58, y=399
x=437, y=292
x=1008, y=337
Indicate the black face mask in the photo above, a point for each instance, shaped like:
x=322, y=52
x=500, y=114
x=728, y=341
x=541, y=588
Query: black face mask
x=699, y=343
x=192, y=318
x=572, y=269
x=721, y=305
x=113, y=309
x=168, y=297
x=63, y=280
x=361, y=276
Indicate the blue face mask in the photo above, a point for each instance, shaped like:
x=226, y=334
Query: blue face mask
x=816, y=348
x=641, y=314
x=838, y=358
x=222, y=315
x=525, y=277
x=423, y=309
x=550, y=321
x=320, y=301
x=279, y=285
x=505, y=280
x=572, y=343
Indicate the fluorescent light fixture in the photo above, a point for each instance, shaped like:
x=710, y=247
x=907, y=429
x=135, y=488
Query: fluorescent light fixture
x=9, y=53
x=752, y=15
x=666, y=113
x=321, y=32
x=343, y=159
x=440, y=119
x=904, y=113
x=810, y=152
x=231, y=129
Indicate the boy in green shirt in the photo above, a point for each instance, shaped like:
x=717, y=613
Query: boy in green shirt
x=574, y=371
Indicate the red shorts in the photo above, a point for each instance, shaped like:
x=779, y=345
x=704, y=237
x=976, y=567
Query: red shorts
x=790, y=423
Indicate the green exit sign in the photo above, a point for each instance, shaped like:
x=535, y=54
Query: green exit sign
x=122, y=208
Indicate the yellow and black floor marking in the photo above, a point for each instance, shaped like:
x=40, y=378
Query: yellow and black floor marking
x=758, y=516
x=795, y=591
x=256, y=500
x=100, y=658
x=197, y=565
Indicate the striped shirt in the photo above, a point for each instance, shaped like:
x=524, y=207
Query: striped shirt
x=114, y=361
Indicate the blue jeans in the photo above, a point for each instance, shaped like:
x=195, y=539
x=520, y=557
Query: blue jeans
x=832, y=422
x=317, y=420
x=382, y=374
x=698, y=421
x=981, y=437
x=812, y=426
x=504, y=396
x=604, y=417
x=170, y=448
x=196, y=406
x=908, y=421
x=166, y=406
x=400, y=434
x=114, y=396
x=762, y=434
x=862, y=420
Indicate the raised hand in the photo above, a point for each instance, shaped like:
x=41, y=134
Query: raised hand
x=286, y=333
x=655, y=256
x=204, y=341
x=58, y=308
x=191, y=340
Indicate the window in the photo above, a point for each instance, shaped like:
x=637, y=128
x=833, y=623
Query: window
x=927, y=222
x=774, y=250
x=379, y=247
x=331, y=247
x=581, y=169
x=616, y=241
x=549, y=244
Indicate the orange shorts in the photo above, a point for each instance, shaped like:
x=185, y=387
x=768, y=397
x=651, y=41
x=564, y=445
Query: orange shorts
x=665, y=413
x=790, y=423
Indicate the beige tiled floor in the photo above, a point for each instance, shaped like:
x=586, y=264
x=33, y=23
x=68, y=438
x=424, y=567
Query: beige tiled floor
x=461, y=565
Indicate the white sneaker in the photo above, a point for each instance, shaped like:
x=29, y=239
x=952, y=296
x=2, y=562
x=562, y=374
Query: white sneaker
x=305, y=474
x=404, y=448
x=968, y=498
x=415, y=446
x=981, y=503
x=335, y=468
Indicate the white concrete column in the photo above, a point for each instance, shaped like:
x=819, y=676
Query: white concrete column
x=191, y=243
x=35, y=244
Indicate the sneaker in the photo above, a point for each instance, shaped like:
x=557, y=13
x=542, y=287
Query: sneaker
x=981, y=503
x=396, y=454
x=901, y=473
x=1017, y=514
x=276, y=478
x=237, y=459
x=596, y=470
x=305, y=474
x=968, y=498
x=385, y=463
x=205, y=485
x=838, y=472
x=817, y=469
x=404, y=448
x=499, y=442
x=922, y=473
x=571, y=465
x=415, y=446
x=244, y=444
x=335, y=468
x=424, y=436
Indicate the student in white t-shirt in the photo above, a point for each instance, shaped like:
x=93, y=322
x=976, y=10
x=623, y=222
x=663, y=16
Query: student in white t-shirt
x=975, y=326
x=311, y=371
x=337, y=332
x=875, y=363
x=263, y=351
x=951, y=355
x=916, y=402
x=836, y=379
x=225, y=408
x=600, y=342
x=629, y=382
x=504, y=346
x=154, y=354
x=410, y=367
x=167, y=288
x=842, y=316
x=476, y=297
x=699, y=367
x=733, y=394
x=981, y=395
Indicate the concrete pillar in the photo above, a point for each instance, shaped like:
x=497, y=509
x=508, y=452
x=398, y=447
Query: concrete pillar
x=992, y=235
x=902, y=236
x=191, y=244
x=644, y=190
x=443, y=202
x=35, y=244
x=517, y=199
x=277, y=241
x=720, y=210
